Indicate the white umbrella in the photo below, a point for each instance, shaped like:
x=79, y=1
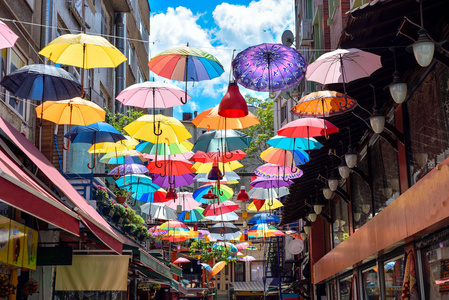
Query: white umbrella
x=185, y=199
x=225, y=237
x=229, y=176
x=232, y=216
x=159, y=211
x=247, y=258
x=260, y=193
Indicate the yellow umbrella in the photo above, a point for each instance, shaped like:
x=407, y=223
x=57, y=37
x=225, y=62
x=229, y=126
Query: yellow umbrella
x=128, y=144
x=158, y=129
x=211, y=120
x=217, y=268
x=136, y=155
x=269, y=204
x=83, y=51
x=74, y=111
x=206, y=167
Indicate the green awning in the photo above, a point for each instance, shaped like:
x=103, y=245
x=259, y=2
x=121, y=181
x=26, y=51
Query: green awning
x=154, y=264
x=175, y=270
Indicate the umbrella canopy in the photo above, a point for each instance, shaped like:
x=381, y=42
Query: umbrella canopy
x=83, y=51
x=137, y=183
x=294, y=143
x=228, y=217
x=215, y=141
x=181, y=260
x=8, y=37
x=158, y=129
x=217, y=268
x=269, y=67
x=99, y=132
x=223, y=193
x=271, y=171
x=186, y=64
x=181, y=156
x=225, y=236
x=196, y=215
x=221, y=208
x=229, y=177
x=128, y=169
x=264, y=204
x=211, y=157
x=186, y=201
x=227, y=246
x=263, y=218
x=155, y=231
x=41, y=82
x=155, y=197
x=165, y=148
x=207, y=267
x=170, y=167
x=126, y=144
x=225, y=227
x=260, y=230
x=123, y=157
x=242, y=246
x=247, y=258
x=265, y=183
x=323, y=104
x=283, y=157
x=211, y=120
x=307, y=127
x=173, y=180
x=173, y=225
x=179, y=236
x=159, y=211
x=226, y=167
x=152, y=95
x=260, y=193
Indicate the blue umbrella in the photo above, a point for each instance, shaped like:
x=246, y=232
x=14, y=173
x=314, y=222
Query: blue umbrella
x=294, y=143
x=138, y=184
x=222, y=140
x=263, y=218
x=42, y=82
x=207, y=267
x=196, y=214
x=301, y=157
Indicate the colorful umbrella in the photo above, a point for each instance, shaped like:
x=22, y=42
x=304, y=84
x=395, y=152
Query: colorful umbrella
x=226, y=246
x=164, y=148
x=170, y=167
x=207, y=267
x=261, y=230
x=263, y=218
x=264, y=204
x=174, y=226
x=252, y=248
x=181, y=156
x=179, y=236
x=173, y=180
x=223, y=193
x=242, y=246
x=224, y=167
x=211, y=157
x=127, y=144
x=186, y=201
x=155, y=231
x=275, y=171
x=269, y=67
x=222, y=141
x=323, y=104
x=159, y=211
x=217, y=268
x=8, y=37
x=265, y=183
x=155, y=197
x=181, y=260
x=229, y=177
x=247, y=258
x=123, y=157
x=128, y=169
x=307, y=127
x=94, y=133
x=211, y=120
x=277, y=156
x=196, y=215
x=152, y=95
x=228, y=217
x=220, y=208
x=294, y=143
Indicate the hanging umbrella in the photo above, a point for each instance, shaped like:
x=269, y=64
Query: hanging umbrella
x=41, y=82
x=269, y=67
x=264, y=204
x=229, y=177
x=196, y=215
x=158, y=129
x=247, y=258
x=165, y=148
x=186, y=64
x=308, y=127
x=173, y=180
x=211, y=120
x=137, y=183
x=220, y=208
x=126, y=144
x=216, y=141
x=207, y=267
x=181, y=156
x=181, y=260
x=217, y=268
x=252, y=248
x=224, y=231
x=323, y=104
x=186, y=201
x=155, y=231
x=174, y=226
x=228, y=217
x=266, y=183
x=242, y=246
x=224, y=167
x=260, y=193
x=170, y=167
x=83, y=51
x=261, y=230
x=277, y=156
x=75, y=111
x=8, y=37
x=211, y=157
x=275, y=171
x=128, y=169
x=159, y=211
x=123, y=157
x=343, y=66
x=224, y=192
x=226, y=246
x=152, y=95
x=179, y=236
x=294, y=143
x=263, y=218
x=155, y=197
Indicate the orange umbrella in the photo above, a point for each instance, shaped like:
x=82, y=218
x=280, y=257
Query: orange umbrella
x=323, y=104
x=217, y=268
x=211, y=120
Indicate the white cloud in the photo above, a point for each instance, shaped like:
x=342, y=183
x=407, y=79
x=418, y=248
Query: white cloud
x=193, y=105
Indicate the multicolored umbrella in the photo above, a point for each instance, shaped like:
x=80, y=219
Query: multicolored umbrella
x=165, y=148
x=211, y=120
x=294, y=143
x=155, y=231
x=271, y=193
x=186, y=201
x=156, y=197
x=196, y=215
x=277, y=156
x=220, y=208
x=174, y=226
x=179, y=236
x=264, y=205
x=181, y=156
x=137, y=183
x=227, y=246
x=242, y=246
x=269, y=67
x=224, y=167
x=263, y=218
x=265, y=183
x=181, y=260
x=173, y=181
x=211, y=157
x=123, y=157
x=8, y=37
x=128, y=169
x=261, y=230
x=275, y=171
x=223, y=193
x=222, y=141
x=127, y=144
x=323, y=104
x=230, y=177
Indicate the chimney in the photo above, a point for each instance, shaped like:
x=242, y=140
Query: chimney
x=195, y=113
x=187, y=116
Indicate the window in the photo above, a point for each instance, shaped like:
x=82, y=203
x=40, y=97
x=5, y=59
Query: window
x=257, y=271
x=284, y=112
x=131, y=55
x=239, y=272
x=140, y=77
x=318, y=31
x=105, y=23
x=370, y=283
x=435, y=265
x=344, y=286
x=394, y=277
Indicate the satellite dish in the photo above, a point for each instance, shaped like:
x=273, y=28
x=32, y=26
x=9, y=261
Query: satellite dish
x=287, y=38
x=295, y=247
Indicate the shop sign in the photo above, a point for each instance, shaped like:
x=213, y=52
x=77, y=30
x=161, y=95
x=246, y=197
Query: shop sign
x=144, y=286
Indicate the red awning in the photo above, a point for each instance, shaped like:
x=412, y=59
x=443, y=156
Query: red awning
x=20, y=190
x=90, y=217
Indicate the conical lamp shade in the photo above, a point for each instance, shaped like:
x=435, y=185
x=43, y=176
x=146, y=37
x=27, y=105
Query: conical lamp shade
x=215, y=173
x=210, y=195
x=243, y=195
x=233, y=105
x=171, y=195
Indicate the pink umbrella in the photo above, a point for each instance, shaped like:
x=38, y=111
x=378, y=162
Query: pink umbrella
x=307, y=127
x=242, y=246
x=181, y=260
x=219, y=209
x=152, y=95
x=7, y=37
x=185, y=200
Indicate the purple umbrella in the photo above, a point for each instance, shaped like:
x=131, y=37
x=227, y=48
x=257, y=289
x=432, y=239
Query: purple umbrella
x=176, y=181
x=127, y=169
x=269, y=67
x=267, y=183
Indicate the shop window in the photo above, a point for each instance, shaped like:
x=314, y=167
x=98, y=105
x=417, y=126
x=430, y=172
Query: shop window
x=361, y=195
x=344, y=286
x=239, y=272
x=370, y=283
x=256, y=271
x=435, y=266
x=394, y=277
x=340, y=226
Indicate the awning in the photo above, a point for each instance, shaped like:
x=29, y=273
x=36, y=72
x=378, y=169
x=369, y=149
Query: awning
x=20, y=190
x=252, y=286
x=89, y=216
x=94, y=273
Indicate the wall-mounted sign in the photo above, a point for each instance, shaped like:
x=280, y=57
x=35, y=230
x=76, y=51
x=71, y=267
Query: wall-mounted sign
x=16, y=243
x=30, y=249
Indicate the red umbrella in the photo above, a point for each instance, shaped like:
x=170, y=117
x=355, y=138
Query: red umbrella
x=308, y=127
x=181, y=260
x=170, y=167
x=210, y=157
x=219, y=209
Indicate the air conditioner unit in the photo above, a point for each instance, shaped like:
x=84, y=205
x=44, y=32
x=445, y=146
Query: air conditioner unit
x=306, y=33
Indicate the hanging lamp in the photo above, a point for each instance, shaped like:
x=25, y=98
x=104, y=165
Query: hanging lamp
x=233, y=105
x=243, y=195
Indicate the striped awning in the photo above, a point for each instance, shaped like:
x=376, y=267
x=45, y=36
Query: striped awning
x=255, y=286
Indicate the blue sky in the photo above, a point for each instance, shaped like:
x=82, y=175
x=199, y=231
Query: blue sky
x=218, y=28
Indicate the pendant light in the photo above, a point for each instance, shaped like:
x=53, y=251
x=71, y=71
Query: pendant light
x=318, y=208
x=242, y=195
x=303, y=235
x=350, y=156
x=312, y=217
x=233, y=105
x=327, y=193
x=366, y=208
x=215, y=173
x=423, y=48
x=398, y=88
x=340, y=233
x=333, y=182
x=377, y=120
x=307, y=227
x=357, y=216
x=343, y=170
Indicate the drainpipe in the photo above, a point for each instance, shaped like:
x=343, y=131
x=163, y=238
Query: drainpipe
x=120, y=44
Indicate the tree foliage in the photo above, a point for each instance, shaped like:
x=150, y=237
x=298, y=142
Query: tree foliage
x=205, y=251
x=262, y=132
x=120, y=120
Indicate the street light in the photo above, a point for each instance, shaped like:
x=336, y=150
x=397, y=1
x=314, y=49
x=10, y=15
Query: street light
x=423, y=48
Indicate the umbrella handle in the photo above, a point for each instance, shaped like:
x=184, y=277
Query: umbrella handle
x=284, y=177
x=157, y=132
x=183, y=101
x=116, y=176
x=155, y=160
x=93, y=165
